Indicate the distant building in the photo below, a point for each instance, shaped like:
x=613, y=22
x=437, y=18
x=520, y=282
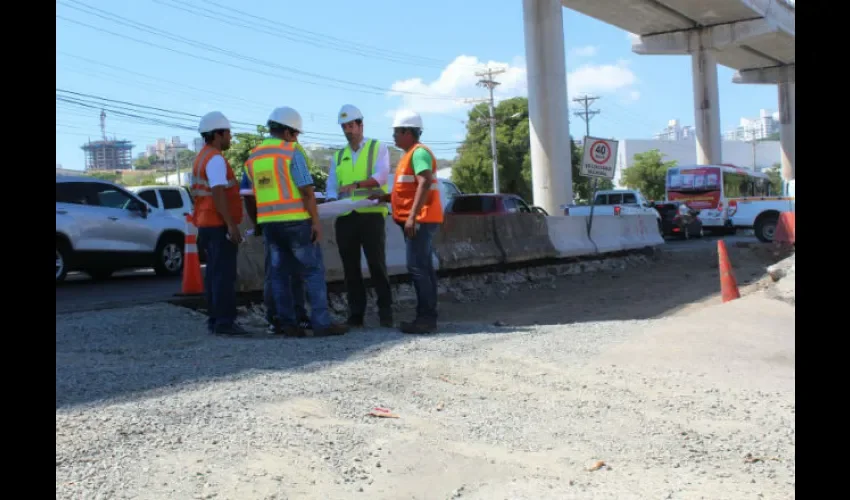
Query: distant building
x=675, y=132
x=108, y=155
x=754, y=129
x=166, y=150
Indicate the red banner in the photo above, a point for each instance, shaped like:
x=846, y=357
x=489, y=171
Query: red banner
x=701, y=201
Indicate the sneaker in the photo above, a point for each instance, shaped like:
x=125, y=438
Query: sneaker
x=355, y=321
x=333, y=329
x=418, y=327
x=231, y=331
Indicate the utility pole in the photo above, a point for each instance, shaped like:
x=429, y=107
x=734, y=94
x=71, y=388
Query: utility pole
x=586, y=114
x=488, y=82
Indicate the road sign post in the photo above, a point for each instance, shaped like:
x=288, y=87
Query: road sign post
x=599, y=159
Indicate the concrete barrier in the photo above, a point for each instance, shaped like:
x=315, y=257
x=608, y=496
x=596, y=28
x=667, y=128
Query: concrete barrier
x=569, y=236
x=523, y=237
x=606, y=233
x=467, y=241
x=639, y=231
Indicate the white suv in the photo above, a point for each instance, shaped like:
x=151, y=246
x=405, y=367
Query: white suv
x=102, y=228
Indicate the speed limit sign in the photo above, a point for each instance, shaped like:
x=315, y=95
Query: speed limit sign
x=600, y=157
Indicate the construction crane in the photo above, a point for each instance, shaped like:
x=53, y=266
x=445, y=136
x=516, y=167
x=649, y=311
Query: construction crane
x=103, y=125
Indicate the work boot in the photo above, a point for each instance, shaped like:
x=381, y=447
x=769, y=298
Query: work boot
x=304, y=323
x=333, y=329
x=290, y=331
x=355, y=321
x=386, y=320
x=418, y=326
x=231, y=330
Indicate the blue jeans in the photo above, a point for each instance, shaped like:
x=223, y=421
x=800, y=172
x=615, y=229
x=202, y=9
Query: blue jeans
x=220, y=279
x=293, y=255
x=421, y=268
x=268, y=295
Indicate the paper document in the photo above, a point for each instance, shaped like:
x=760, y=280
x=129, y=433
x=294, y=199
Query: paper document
x=333, y=209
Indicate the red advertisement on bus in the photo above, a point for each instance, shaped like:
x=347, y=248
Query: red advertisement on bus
x=699, y=187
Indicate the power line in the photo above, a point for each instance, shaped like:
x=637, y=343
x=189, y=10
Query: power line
x=114, y=18
x=586, y=114
x=486, y=80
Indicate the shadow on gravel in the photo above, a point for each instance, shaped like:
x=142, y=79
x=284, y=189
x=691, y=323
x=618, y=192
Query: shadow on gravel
x=155, y=349
x=126, y=354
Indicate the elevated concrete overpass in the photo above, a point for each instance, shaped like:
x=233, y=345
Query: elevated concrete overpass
x=754, y=37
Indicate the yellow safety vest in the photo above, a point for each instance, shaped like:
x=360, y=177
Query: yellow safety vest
x=348, y=173
x=278, y=197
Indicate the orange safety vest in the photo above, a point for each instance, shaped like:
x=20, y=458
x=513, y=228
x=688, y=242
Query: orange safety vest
x=205, y=213
x=404, y=190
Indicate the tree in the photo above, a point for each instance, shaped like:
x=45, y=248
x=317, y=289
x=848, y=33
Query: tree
x=243, y=143
x=648, y=174
x=145, y=163
x=473, y=170
x=775, y=176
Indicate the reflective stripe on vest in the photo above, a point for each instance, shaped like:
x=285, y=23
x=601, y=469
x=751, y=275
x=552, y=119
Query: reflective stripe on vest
x=349, y=173
x=404, y=191
x=278, y=198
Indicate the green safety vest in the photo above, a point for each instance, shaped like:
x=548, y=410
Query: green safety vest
x=348, y=173
x=278, y=197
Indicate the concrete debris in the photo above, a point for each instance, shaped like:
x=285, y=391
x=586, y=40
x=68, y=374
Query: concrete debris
x=469, y=288
x=784, y=276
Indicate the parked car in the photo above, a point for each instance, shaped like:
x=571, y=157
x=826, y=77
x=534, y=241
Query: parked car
x=102, y=228
x=173, y=199
x=679, y=220
x=448, y=190
x=488, y=204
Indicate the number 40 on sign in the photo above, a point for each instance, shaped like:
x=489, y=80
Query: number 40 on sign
x=600, y=158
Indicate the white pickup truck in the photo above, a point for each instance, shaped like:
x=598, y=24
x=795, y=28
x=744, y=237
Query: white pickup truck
x=615, y=202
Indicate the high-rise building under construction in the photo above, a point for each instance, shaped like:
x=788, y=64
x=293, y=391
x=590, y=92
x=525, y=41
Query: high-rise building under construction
x=106, y=154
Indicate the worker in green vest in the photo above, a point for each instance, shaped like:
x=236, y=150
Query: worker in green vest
x=359, y=170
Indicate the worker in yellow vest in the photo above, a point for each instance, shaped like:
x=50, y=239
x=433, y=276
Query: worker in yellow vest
x=359, y=170
x=418, y=211
x=286, y=210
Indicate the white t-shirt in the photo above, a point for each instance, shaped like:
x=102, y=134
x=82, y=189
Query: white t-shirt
x=217, y=171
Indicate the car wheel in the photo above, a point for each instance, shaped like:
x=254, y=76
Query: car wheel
x=169, y=256
x=62, y=255
x=765, y=228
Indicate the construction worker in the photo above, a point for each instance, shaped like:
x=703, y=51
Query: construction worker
x=286, y=210
x=298, y=293
x=417, y=208
x=217, y=214
x=361, y=169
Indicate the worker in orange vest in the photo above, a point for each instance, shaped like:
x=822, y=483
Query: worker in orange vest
x=217, y=214
x=416, y=207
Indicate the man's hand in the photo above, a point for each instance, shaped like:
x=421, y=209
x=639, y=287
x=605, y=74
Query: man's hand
x=346, y=189
x=316, y=231
x=234, y=234
x=410, y=227
x=385, y=198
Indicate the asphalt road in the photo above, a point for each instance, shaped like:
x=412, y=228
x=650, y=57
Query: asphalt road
x=80, y=293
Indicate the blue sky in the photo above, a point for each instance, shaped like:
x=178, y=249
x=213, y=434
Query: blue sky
x=350, y=53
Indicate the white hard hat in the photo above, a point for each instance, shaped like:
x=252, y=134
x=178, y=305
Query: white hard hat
x=349, y=113
x=407, y=118
x=287, y=116
x=213, y=120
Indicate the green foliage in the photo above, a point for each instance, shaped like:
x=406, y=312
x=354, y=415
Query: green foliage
x=473, y=170
x=145, y=163
x=107, y=176
x=775, y=175
x=648, y=174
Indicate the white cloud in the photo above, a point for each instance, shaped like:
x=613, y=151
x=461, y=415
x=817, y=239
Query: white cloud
x=458, y=81
x=586, y=51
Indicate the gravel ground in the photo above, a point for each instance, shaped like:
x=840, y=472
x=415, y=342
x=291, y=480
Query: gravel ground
x=149, y=406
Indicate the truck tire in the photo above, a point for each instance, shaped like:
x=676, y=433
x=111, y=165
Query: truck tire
x=63, y=256
x=765, y=226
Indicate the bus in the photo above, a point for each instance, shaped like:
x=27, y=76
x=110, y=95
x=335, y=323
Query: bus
x=729, y=198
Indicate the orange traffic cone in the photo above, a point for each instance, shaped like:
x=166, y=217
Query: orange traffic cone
x=193, y=284
x=728, y=284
